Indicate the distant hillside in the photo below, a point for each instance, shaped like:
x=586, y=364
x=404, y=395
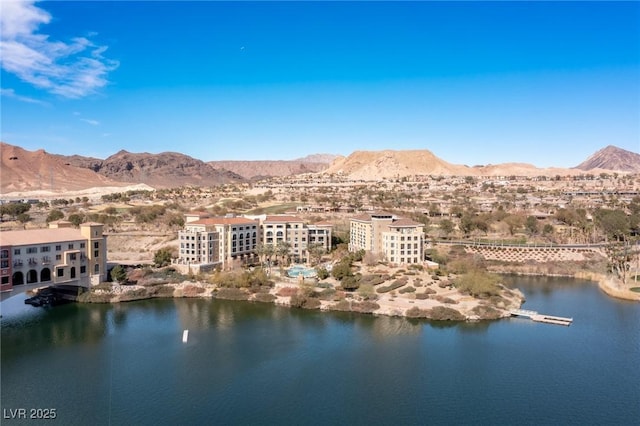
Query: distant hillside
x=263, y=169
x=612, y=158
x=24, y=170
x=371, y=165
x=164, y=170
x=319, y=158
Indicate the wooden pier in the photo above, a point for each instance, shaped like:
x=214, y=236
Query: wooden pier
x=535, y=316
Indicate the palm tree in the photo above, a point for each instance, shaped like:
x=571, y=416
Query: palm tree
x=282, y=249
x=315, y=250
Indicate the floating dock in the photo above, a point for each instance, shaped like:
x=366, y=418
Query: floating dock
x=535, y=316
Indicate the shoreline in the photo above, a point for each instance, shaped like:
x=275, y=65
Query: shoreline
x=434, y=299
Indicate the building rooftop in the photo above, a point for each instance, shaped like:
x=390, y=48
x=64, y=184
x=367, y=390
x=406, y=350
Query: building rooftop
x=40, y=236
x=282, y=218
x=224, y=221
x=404, y=223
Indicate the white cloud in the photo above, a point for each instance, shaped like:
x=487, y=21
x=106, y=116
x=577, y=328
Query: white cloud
x=71, y=69
x=10, y=93
x=90, y=121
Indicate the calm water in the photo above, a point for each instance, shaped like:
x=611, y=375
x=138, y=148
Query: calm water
x=260, y=364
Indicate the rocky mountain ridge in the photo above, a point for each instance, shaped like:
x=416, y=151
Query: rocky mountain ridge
x=24, y=170
x=612, y=158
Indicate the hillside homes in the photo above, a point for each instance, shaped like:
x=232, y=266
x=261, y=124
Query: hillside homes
x=58, y=255
x=394, y=239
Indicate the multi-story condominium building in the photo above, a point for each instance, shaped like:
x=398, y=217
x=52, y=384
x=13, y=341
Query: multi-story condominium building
x=206, y=243
x=393, y=239
x=58, y=255
x=292, y=230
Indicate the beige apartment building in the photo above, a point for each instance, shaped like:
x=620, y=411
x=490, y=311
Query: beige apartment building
x=294, y=231
x=206, y=243
x=59, y=255
x=394, y=239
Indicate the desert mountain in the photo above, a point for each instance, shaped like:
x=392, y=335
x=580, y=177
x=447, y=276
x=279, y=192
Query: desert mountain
x=164, y=170
x=24, y=170
x=371, y=165
x=319, y=158
x=262, y=169
x=612, y=158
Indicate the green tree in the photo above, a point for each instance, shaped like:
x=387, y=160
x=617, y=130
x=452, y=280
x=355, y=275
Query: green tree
x=76, y=219
x=54, y=215
x=446, y=226
x=163, y=257
x=531, y=224
x=316, y=250
x=119, y=274
x=23, y=218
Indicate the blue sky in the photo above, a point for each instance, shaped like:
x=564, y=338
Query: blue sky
x=546, y=83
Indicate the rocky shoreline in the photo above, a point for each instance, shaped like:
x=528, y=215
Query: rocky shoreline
x=423, y=296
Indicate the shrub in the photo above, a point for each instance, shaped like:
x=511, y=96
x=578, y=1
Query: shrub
x=192, y=290
x=349, y=283
x=264, y=297
x=486, y=312
x=136, y=294
x=161, y=291
x=408, y=289
x=327, y=294
x=287, y=291
x=323, y=274
x=416, y=312
x=302, y=301
x=367, y=292
x=342, y=305
x=394, y=285
x=365, y=307
x=231, y=294
x=422, y=296
x=478, y=284
x=442, y=313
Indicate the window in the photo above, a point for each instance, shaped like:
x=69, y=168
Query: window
x=96, y=245
x=31, y=250
x=96, y=269
x=16, y=251
x=44, y=249
x=82, y=245
x=4, y=254
x=70, y=246
x=4, y=264
x=72, y=256
x=58, y=248
x=58, y=257
x=60, y=272
x=96, y=253
x=5, y=280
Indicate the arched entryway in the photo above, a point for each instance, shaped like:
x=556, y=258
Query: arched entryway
x=17, y=278
x=32, y=276
x=45, y=275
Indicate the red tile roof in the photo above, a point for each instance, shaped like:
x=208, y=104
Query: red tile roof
x=282, y=218
x=224, y=221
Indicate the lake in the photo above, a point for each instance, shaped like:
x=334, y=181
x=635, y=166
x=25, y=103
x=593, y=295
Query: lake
x=247, y=363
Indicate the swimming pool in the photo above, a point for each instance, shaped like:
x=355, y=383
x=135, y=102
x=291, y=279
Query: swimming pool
x=298, y=270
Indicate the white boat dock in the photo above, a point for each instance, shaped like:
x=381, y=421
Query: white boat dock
x=535, y=316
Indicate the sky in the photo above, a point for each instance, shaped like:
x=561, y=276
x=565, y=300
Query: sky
x=546, y=83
